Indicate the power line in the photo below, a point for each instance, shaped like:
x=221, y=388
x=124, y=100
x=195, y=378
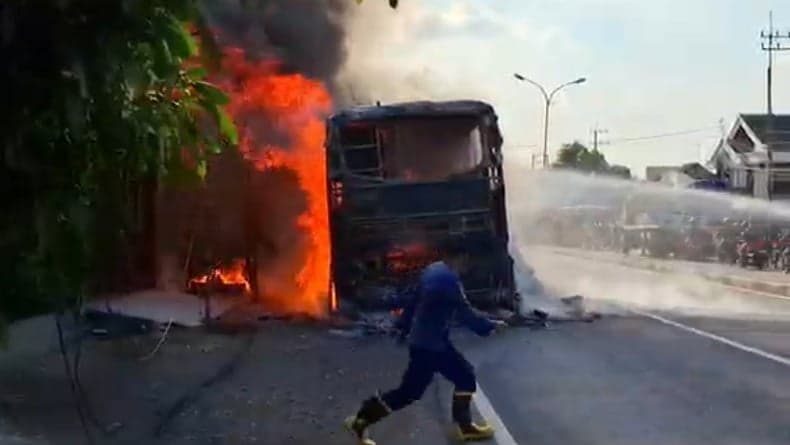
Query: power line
x=636, y=138
x=664, y=135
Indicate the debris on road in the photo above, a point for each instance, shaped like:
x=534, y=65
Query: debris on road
x=109, y=326
x=162, y=306
x=538, y=318
x=159, y=344
x=368, y=324
x=113, y=428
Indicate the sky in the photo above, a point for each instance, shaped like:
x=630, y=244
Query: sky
x=653, y=67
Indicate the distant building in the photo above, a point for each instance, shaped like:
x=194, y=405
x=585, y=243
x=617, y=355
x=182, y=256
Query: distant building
x=693, y=175
x=655, y=173
x=620, y=171
x=754, y=157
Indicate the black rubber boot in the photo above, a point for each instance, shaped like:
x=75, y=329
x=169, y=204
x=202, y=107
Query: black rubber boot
x=372, y=410
x=466, y=430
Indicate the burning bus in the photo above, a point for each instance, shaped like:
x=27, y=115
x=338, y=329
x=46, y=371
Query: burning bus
x=404, y=181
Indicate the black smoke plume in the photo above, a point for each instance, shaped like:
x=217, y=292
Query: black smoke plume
x=308, y=36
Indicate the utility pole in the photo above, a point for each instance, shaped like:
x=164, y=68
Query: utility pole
x=772, y=41
x=596, y=140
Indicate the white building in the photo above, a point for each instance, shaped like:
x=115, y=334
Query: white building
x=754, y=158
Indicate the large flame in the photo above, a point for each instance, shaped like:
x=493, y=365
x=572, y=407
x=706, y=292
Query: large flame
x=292, y=108
x=230, y=275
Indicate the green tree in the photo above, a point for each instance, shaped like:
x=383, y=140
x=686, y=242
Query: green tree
x=578, y=157
x=98, y=96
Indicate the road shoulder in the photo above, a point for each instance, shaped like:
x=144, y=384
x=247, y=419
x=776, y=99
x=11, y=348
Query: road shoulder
x=285, y=383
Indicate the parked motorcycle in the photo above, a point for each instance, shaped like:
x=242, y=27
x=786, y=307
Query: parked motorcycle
x=783, y=259
x=697, y=245
x=754, y=253
x=781, y=253
x=726, y=249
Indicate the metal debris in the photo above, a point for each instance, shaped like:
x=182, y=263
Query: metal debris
x=346, y=333
x=113, y=428
x=539, y=319
x=369, y=324
x=110, y=326
x=536, y=319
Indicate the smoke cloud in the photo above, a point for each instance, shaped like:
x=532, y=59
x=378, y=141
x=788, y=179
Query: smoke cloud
x=380, y=63
x=308, y=36
x=360, y=52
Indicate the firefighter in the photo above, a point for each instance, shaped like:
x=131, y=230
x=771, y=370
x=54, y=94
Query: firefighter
x=425, y=325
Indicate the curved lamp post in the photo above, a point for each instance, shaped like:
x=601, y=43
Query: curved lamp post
x=548, y=98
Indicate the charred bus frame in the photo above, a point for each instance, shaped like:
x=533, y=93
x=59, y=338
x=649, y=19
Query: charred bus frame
x=405, y=180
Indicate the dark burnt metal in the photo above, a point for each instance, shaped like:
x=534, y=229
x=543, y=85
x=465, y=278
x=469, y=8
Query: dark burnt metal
x=386, y=225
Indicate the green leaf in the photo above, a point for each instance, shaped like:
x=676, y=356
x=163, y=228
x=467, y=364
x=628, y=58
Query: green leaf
x=212, y=93
x=182, y=43
x=137, y=79
x=213, y=147
x=163, y=60
x=190, y=133
x=78, y=145
x=199, y=73
x=163, y=136
x=226, y=126
x=202, y=169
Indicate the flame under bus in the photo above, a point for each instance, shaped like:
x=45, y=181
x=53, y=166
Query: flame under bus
x=405, y=180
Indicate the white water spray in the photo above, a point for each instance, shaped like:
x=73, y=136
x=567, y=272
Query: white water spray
x=666, y=285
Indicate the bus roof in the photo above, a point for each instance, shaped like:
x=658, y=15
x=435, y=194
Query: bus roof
x=457, y=108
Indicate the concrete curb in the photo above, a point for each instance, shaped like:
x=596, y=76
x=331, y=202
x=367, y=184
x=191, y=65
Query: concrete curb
x=759, y=286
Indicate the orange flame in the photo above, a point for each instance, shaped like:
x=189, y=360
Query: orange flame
x=294, y=107
x=333, y=298
x=234, y=274
x=410, y=257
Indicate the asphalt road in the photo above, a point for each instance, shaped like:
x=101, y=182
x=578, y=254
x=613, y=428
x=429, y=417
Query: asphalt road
x=711, y=366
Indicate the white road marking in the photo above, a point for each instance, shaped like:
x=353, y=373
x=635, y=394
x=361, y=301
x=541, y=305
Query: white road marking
x=750, y=349
x=501, y=435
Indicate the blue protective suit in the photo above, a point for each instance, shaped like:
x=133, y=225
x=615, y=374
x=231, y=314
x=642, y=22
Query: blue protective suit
x=430, y=310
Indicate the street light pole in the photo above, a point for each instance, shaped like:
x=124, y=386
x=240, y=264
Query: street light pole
x=547, y=98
